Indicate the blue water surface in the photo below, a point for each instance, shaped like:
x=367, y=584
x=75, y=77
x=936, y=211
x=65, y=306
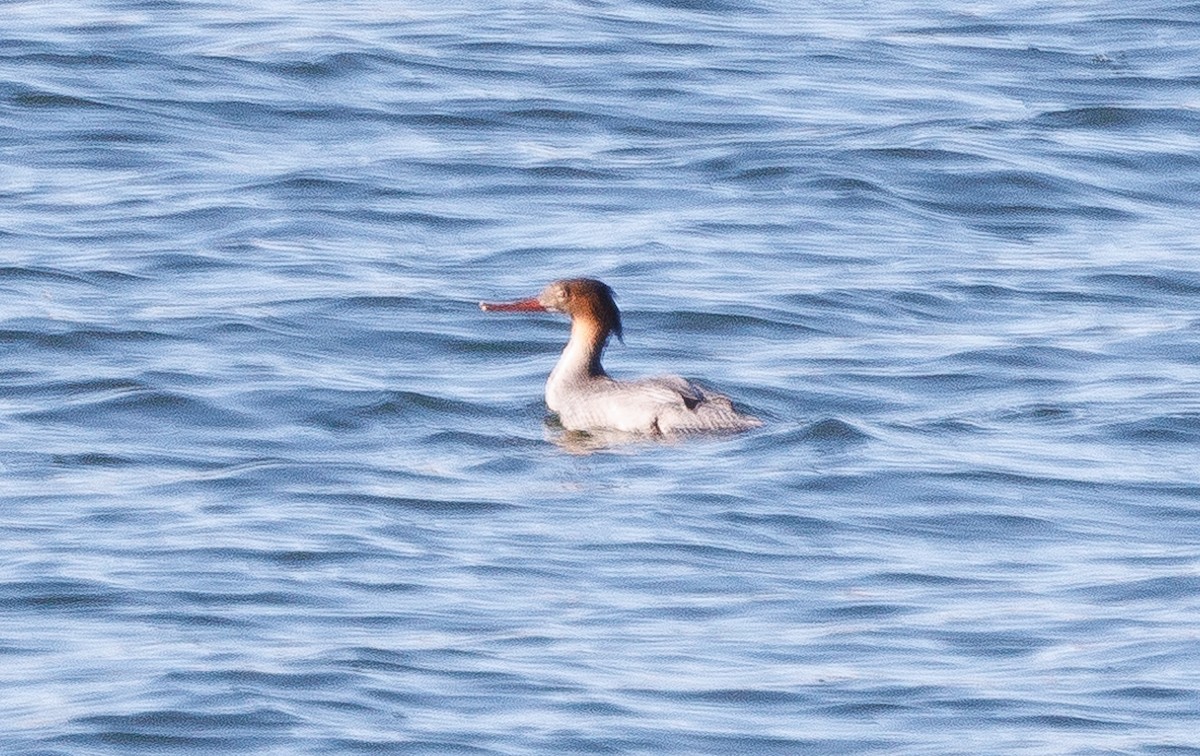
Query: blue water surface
x=270, y=482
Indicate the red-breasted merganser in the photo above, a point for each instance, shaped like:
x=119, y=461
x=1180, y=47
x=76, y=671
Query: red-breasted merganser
x=586, y=398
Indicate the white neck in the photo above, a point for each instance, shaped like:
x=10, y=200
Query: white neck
x=579, y=362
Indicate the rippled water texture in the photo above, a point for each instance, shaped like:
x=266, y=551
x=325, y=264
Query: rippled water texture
x=271, y=483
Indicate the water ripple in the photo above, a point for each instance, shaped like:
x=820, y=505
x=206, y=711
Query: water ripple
x=272, y=482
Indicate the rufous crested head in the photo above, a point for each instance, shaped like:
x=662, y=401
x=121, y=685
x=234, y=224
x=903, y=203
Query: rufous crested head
x=584, y=299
